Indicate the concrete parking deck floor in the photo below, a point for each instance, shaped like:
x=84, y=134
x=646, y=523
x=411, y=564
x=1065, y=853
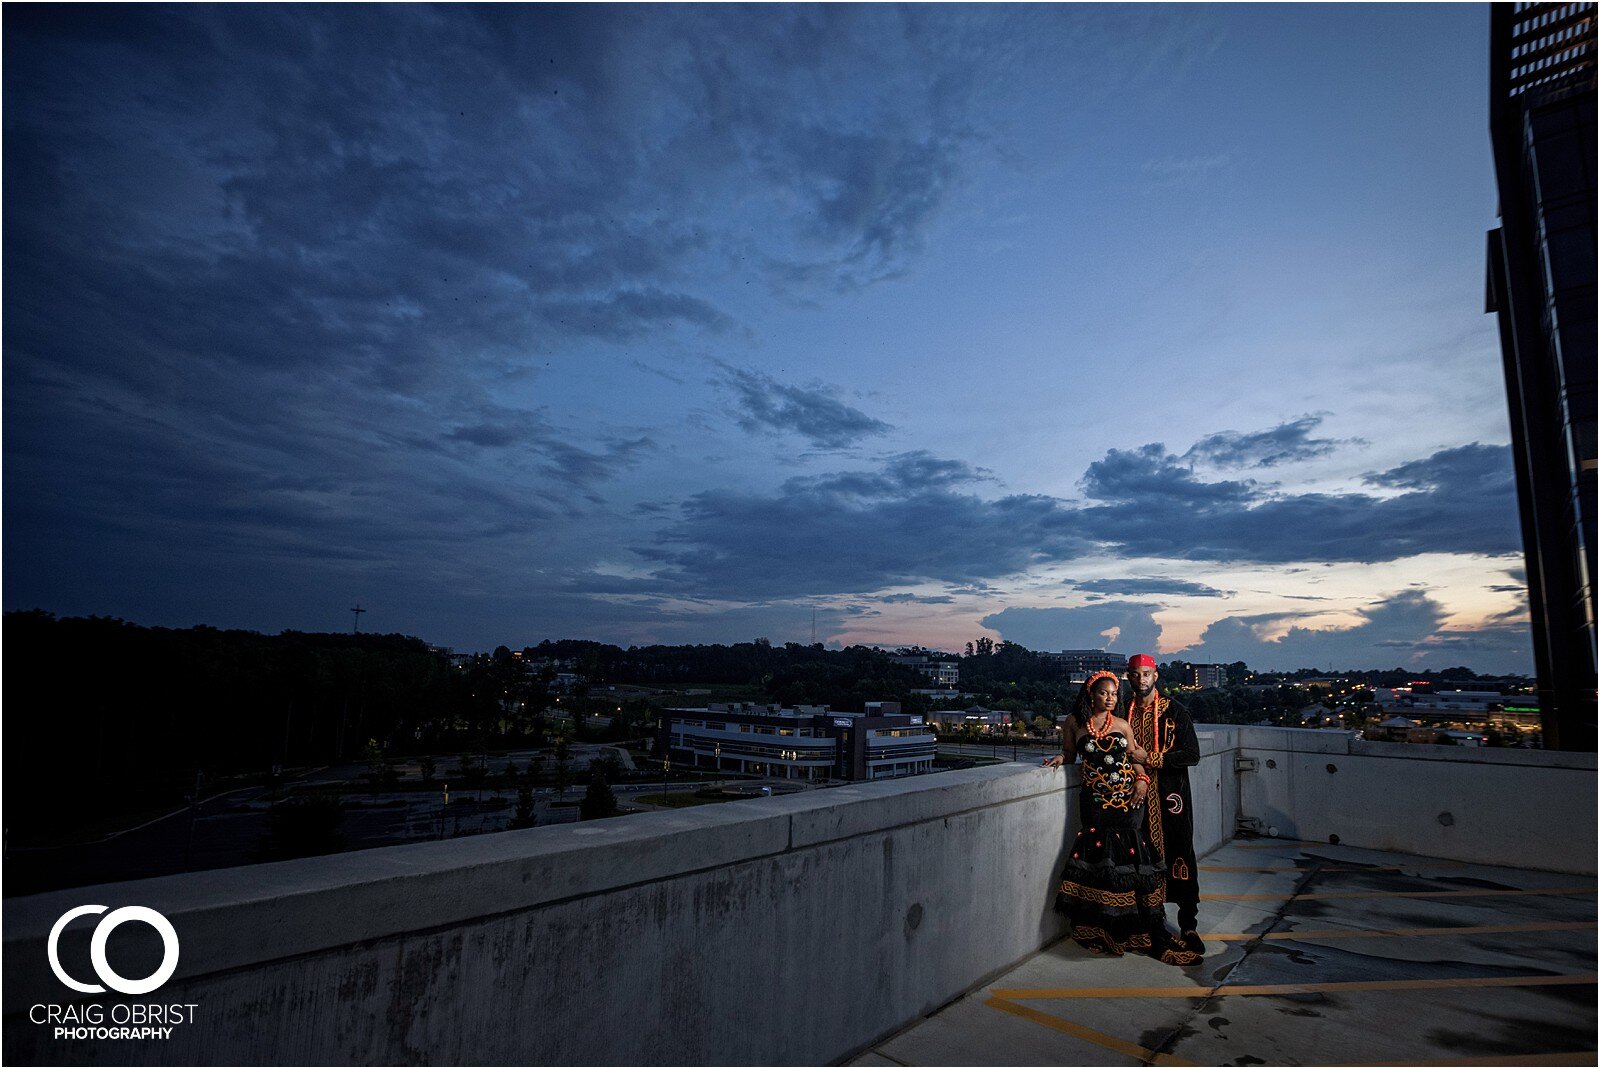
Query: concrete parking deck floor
x=1316, y=955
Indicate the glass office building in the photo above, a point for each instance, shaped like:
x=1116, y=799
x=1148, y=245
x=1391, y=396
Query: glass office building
x=1541, y=285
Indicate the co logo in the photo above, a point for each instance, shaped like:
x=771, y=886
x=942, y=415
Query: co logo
x=97, y=949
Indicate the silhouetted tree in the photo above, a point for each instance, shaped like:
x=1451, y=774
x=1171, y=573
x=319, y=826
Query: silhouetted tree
x=598, y=801
x=523, y=815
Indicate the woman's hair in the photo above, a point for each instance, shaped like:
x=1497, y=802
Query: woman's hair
x=1082, y=706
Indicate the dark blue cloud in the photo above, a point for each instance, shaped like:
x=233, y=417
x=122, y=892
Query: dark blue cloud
x=763, y=403
x=1153, y=477
x=1151, y=586
x=826, y=536
x=1475, y=468
x=912, y=520
x=1159, y=509
x=489, y=435
x=1283, y=444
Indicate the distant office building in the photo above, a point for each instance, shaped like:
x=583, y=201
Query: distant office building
x=1207, y=675
x=809, y=742
x=1541, y=284
x=1079, y=665
x=975, y=716
x=936, y=670
x=456, y=660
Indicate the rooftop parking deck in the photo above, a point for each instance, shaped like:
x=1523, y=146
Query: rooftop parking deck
x=899, y=921
x=1317, y=955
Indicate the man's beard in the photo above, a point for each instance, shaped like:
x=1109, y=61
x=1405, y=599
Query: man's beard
x=1143, y=692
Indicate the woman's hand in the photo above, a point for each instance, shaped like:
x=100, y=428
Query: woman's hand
x=1137, y=754
x=1140, y=789
x=1055, y=762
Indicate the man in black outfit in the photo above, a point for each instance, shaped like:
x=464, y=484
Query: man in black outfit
x=1163, y=727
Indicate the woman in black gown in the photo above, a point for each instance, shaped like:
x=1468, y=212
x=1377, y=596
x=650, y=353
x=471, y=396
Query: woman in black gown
x=1112, y=888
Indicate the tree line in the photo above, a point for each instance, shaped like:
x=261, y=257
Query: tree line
x=162, y=712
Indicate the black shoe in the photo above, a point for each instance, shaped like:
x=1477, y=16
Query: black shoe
x=1191, y=940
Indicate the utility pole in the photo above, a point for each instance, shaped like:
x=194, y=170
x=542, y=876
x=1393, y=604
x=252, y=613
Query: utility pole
x=358, y=610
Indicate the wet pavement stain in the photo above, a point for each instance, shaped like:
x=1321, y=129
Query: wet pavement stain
x=1465, y=882
x=1313, y=909
x=1517, y=1035
x=1297, y=1011
x=1267, y=964
x=1580, y=995
x=1163, y=1040
x=1335, y=875
x=1290, y=950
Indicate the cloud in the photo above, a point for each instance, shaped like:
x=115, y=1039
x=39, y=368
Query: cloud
x=875, y=196
x=1285, y=443
x=917, y=599
x=1405, y=630
x=1470, y=469
x=978, y=588
x=1151, y=475
x=857, y=532
x=489, y=436
x=763, y=403
x=1124, y=626
x=1151, y=586
x=582, y=468
x=1157, y=508
x=628, y=315
x=910, y=521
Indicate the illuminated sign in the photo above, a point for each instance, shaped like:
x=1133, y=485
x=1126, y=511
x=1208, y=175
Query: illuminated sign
x=840, y=722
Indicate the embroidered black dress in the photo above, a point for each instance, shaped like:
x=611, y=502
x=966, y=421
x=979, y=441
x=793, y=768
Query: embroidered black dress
x=1111, y=888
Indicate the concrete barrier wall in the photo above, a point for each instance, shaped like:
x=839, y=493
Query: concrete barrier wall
x=781, y=931
x=1521, y=808
x=789, y=930
x=1214, y=790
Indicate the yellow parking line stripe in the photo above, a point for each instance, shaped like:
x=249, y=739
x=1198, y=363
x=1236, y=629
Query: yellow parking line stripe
x=1292, y=989
x=1078, y=1031
x=1589, y=890
x=1403, y=933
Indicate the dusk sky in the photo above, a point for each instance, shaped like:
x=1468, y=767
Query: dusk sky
x=1145, y=328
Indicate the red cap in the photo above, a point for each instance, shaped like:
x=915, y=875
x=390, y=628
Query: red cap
x=1141, y=660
